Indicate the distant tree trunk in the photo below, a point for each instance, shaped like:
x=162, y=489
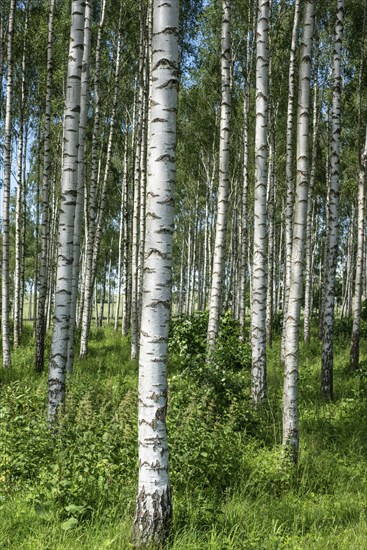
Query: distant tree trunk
x=270, y=203
x=153, y=504
x=98, y=220
x=357, y=299
x=259, y=279
x=127, y=260
x=245, y=175
x=216, y=293
x=60, y=335
x=24, y=226
x=19, y=219
x=122, y=235
x=91, y=220
x=137, y=193
x=332, y=239
x=45, y=227
x=109, y=286
x=326, y=216
x=6, y=192
x=289, y=169
x=290, y=394
x=348, y=278
x=310, y=208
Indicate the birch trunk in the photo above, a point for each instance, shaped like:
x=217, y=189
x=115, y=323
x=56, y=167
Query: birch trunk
x=122, y=236
x=137, y=196
x=332, y=239
x=45, y=227
x=6, y=193
x=289, y=169
x=244, y=205
x=357, y=298
x=310, y=209
x=127, y=260
x=290, y=394
x=91, y=220
x=24, y=227
x=84, y=106
x=19, y=219
x=215, y=301
x=60, y=334
x=259, y=279
x=153, y=505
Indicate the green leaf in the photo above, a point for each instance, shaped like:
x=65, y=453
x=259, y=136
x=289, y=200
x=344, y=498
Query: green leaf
x=69, y=524
x=74, y=509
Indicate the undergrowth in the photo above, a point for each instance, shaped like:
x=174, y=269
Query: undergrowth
x=232, y=487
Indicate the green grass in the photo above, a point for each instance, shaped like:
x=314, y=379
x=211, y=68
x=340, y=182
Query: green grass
x=231, y=485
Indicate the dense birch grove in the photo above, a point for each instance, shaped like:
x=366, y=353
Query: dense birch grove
x=254, y=209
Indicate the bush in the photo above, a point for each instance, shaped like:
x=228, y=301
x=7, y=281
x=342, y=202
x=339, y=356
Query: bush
x=226, y=372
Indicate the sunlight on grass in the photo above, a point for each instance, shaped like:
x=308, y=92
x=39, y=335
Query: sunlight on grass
x=231, y=485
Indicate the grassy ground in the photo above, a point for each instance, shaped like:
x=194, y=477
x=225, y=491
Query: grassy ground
x=231, y=486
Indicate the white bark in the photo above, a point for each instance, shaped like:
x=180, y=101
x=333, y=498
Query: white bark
x=357, y=298
x=153, y=507
x=84, y=106
x=91, y=220
x=122, y=235
x=259, y=276
x=310, y=210
x=6, y=192
x=290, y=394
x=332, y=235
x=19, y=200
x=289, y=168
x=60, y=335
x=216, y=297
x=45, y=226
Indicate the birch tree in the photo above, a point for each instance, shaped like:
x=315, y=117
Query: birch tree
x=357, y=298
x=45, y=226
x=333, y=221
x=84, y=106
x=290, y=394
x=60, y=334
x=153, y=505
x=19, y=213
x=215, y=301
x=259, y=282
x=91, y=218
x=289, y=167
x=6, y=191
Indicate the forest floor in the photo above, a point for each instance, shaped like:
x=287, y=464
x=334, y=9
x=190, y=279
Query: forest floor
x=231, y=485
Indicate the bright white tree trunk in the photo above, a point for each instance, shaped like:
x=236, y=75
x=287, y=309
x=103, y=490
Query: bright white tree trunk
x=289, y=168
x=84, y=106
x=310, y=210
x=91, y=219
x=139, y=146
x=19, y=212
x=333, y=225
x=6, y=193
x=153, y=505
x=259, y=279
x=122, y=235
x=215, y=301
x=290, y=394
x=357, y=299
x=245, y=171
x=60, y=334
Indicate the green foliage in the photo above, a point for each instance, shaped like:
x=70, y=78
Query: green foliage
x=232, y=485
x=226, y=373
